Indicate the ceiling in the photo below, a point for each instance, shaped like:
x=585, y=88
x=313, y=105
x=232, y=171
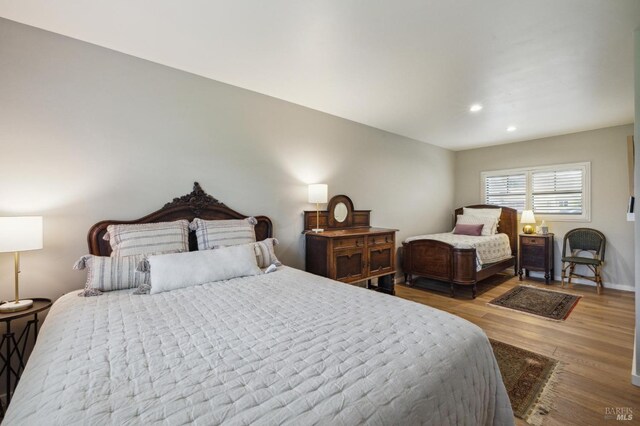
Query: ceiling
x=412, y=67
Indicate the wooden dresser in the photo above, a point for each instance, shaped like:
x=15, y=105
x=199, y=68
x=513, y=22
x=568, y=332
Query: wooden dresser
x=350, y=253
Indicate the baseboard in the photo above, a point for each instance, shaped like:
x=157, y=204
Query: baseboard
x=623, y=287
x=614, y=286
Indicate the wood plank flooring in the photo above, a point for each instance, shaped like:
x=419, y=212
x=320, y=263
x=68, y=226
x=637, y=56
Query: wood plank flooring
x=595, y=343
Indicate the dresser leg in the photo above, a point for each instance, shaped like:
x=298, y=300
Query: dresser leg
x=453, y=291
x=474, y=291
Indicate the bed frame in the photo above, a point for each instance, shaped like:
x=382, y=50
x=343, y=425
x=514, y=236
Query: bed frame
x=195, y=204
x=443, y=262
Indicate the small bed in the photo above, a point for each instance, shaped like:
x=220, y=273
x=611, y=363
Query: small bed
x=457, y=259
x=285, y=347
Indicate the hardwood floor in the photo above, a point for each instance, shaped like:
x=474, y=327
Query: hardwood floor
x=595, y=343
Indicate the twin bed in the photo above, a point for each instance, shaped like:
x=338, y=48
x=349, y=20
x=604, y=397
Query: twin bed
x=285, y=347
x=463, y=260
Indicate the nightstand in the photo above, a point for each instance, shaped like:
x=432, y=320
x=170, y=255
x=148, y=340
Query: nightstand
x=13, y=358
x=536, y=254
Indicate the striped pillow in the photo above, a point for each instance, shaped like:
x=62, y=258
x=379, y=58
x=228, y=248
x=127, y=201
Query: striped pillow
x=218, y=233
x=146, y=238
x=110, y=273
x=265, y=255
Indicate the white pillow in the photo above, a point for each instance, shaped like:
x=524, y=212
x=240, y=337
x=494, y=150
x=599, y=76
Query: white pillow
x=110, y=273
x=495, y=213
x=179, y=270
x=147, y=238
x=212, y=233
x=482, y=212
x=489, y=223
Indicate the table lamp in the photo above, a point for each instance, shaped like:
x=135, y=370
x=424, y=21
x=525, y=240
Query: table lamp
x=318, y=193
x=527, y=219
x=19, y=234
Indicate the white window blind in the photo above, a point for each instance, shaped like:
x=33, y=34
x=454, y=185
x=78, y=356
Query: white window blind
x=506, y=190
x=557, y=192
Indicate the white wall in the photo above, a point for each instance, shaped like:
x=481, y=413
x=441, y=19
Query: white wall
x=606, y=149
x=90, y=134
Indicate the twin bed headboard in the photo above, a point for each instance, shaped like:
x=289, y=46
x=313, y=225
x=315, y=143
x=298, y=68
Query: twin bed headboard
x=195, y=204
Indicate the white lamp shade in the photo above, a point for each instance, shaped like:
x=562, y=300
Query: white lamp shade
x=527, y=217
x=20, y=233
x=318, y=193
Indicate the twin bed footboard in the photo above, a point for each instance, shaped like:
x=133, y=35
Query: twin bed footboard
x=441, y=261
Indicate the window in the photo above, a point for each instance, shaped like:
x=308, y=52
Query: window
x=558, y=193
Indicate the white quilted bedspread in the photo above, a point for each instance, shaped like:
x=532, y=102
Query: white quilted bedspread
x=489, y=248
x=282, y=348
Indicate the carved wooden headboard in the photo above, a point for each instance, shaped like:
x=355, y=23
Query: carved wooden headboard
x=508, y=222
x=196, y=204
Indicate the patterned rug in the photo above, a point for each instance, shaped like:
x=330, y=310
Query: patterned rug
x=552, y=305
x=530, y=379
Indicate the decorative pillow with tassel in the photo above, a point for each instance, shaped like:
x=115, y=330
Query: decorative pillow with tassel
x=110, y=273
x=265, y=254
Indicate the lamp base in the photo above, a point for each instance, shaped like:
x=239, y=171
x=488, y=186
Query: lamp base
x=14, y=306
x=316, y=230
x=528, y=229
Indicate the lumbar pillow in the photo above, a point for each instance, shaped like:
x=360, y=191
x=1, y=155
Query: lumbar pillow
x=489, y=223
x=147, y=238
x=216, y=233
x=179, y=270
x=110, y=273
x=472, y=230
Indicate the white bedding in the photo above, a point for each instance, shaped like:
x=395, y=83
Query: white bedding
x=282, y=348
x=489, y=248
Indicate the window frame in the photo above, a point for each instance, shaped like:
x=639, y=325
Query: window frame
x=528, y=171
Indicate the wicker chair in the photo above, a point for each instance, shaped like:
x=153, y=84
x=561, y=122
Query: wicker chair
x=583, y=239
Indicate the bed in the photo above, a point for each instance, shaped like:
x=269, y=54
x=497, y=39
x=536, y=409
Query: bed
x=441, y=259
x=286, y=347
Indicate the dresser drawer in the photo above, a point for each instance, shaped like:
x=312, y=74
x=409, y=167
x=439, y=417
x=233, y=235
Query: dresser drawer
x=348, y=243
x=532, y=241
x=380, y=239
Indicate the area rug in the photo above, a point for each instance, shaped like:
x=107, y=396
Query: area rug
x=552, y=305
x=530, y=379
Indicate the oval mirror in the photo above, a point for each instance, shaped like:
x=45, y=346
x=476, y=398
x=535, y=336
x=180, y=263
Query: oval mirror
x=340, y=212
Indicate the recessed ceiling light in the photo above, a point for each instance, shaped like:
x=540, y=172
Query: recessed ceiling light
x=475, y=108
x=511, y=129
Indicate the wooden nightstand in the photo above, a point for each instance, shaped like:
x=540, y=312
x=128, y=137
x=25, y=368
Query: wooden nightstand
x=14, y=349
x=536, y=254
